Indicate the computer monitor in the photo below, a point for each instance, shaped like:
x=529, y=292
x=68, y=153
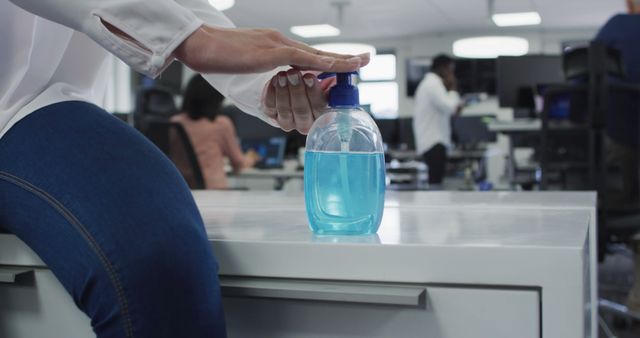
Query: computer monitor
x=271, y=150
x=517, y=75
x=389, y=132
x=473, y=75
x=249, y=126
x=406, y=138
x=469, y=130
x=295, y=141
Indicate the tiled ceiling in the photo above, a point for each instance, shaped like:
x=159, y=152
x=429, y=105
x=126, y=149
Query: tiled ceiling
x=370, y=19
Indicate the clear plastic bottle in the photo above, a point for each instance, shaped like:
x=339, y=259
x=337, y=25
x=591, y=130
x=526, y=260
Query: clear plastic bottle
x=344, y=174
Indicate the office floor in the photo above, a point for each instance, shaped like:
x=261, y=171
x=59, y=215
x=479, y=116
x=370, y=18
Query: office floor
x=615, y=276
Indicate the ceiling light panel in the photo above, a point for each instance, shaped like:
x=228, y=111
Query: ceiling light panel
x=516, y=19
x=222, y=5
x=315, y=31
x=488, y=47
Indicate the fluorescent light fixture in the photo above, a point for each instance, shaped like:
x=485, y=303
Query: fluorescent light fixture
x=516, y=19
x=222, y=5
x=347, y=48
x=489, y=47
x=315, y=31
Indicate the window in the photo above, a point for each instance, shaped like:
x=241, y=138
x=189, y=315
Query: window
x=382, y=67
x=118, y=96
x=378, y=87
x=382, y=96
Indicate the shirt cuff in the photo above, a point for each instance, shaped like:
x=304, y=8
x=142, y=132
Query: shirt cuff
x=154, y=29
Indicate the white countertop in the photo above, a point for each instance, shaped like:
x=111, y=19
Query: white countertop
x=266, y=234
x=409, y=219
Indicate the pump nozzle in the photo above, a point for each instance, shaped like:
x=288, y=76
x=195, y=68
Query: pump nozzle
x=344, y=93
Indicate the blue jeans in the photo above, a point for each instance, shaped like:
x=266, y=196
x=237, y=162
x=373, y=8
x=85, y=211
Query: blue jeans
x=114, y=221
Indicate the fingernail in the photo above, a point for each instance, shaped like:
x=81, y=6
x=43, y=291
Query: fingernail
x=282, y=80
x=328, y=59
x=294, y=79
x=309, y=81
x=364, y=55
x=354, y=59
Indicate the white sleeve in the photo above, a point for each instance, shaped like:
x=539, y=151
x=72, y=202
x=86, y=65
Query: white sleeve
x=446, y=101
x=246, y=90
x=157, y=26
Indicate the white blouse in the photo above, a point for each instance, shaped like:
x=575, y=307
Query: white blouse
x=56, y=50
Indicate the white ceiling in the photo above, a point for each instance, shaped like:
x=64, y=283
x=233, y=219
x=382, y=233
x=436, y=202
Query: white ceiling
x=380, y=19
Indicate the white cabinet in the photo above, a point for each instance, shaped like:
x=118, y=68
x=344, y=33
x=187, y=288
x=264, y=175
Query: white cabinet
x=442, y=312
x=37, y=306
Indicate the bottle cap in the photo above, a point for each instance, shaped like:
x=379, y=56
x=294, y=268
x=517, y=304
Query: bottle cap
x=344, y=93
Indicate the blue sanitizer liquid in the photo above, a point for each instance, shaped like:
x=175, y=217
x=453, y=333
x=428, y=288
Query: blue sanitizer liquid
x=344, y=192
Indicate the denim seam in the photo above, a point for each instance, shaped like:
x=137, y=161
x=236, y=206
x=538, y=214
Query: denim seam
x=70, y=217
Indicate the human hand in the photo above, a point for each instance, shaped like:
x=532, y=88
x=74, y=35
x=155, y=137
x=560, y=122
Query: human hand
x=233, y=50
x=253, y=156
x=450, y=82
x=295, y=100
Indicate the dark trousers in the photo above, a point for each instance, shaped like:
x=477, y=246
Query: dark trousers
x=436, y=160
x=114, y=221
x=625, y=158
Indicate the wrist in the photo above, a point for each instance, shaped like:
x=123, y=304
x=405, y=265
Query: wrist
x=190, y=50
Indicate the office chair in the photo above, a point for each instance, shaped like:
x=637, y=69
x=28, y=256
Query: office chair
x=153, y=104
x=588, y=71
x=174, y=141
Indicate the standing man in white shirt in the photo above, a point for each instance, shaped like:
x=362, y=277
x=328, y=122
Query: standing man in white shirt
x=436, y=102
x=104, y=209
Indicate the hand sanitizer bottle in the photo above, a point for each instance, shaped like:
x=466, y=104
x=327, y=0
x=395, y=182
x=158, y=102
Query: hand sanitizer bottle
x=344, y=173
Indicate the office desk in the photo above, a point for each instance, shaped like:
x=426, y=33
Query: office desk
x=443, y=265
x=520, y=127
x=511, y=129
x=270, y=173
x=515, y=126
x=280, y=176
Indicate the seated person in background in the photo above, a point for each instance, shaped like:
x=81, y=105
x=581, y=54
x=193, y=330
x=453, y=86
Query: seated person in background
x=621, y=32
x=436, y=101
x=212, y=136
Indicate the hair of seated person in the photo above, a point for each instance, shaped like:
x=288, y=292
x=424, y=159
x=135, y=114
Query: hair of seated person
x=201, y=100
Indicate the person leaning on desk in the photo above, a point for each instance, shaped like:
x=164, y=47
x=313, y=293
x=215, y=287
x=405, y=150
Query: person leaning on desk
x=212, y=135
x=102, y=207
x=436, y=101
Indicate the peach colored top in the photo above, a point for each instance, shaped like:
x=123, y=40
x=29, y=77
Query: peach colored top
x=212, y=141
